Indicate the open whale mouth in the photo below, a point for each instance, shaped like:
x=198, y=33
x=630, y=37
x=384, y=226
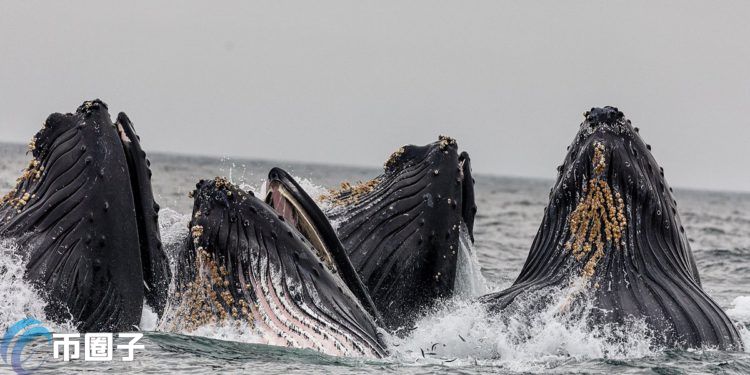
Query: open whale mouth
x=246, y=261
x=296, y=207
x=292, y=203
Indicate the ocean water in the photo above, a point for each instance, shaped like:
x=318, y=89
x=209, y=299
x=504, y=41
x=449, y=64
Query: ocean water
x=458, y=337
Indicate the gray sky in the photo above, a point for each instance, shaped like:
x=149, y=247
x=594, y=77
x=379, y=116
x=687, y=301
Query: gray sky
x=349, y=82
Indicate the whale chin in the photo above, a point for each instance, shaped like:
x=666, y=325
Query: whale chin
x=84, y=215
x=612, y=228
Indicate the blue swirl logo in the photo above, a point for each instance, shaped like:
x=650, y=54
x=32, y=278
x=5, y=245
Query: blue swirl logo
x=17, y=337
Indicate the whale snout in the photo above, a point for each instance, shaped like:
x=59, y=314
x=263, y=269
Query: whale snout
x=607, y=115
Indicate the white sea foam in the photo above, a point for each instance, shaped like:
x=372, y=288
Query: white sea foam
x=740, y=310
x=172, y=226
x=745, y=336
x=228, y=330
x=174, y=231
x=149, y=319
x=20, y=298
x=527, y=339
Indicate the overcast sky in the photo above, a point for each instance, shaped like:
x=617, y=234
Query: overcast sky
x=351, y=81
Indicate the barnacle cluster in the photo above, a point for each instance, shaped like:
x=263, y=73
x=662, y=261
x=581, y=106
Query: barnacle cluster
x=349, y=194
x=207, y=299
x=393, y=159
x=32, y=172
x=196, y=231
x=446, y=141
x=32, y=145
x=9, y=199
x=18, y=197
x=222, y=183
x=598, y=220
x=19, y=202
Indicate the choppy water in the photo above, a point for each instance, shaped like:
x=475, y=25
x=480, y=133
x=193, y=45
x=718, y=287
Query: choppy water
x=458, y=337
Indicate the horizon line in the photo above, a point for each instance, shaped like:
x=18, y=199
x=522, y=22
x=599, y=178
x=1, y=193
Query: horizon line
x=344, y=165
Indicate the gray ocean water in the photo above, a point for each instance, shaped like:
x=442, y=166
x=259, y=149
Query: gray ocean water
x=456, y=338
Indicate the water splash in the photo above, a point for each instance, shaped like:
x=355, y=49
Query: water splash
x=238, y=174
x=174, y=231
x=313, y=190
x=521, y=338
x=740, y=312
x=469, y=279
x=228, y=330
x=20, y=298
x=149, y=319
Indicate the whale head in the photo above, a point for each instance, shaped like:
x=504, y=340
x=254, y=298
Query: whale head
x=245, y=261
x=403, y=229
x=612, y=226
x=84, y=215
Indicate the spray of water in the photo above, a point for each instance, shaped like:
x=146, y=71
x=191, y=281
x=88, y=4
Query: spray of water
x=469, y=279
x=740, y=313
x=228, y=330
x=522, y=338
x=20, y=298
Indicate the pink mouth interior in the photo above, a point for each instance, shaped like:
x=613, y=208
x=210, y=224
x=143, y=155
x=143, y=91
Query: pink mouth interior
x=282, y=205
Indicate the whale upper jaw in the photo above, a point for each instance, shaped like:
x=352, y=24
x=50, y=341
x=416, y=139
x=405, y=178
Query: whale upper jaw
x=612, y=223
x=288, y=198
x=84, y=214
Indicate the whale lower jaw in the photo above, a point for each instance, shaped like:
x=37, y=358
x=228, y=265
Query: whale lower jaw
x=269, y=308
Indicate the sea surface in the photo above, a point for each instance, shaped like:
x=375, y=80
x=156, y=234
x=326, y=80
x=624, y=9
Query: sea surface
x=458, y=337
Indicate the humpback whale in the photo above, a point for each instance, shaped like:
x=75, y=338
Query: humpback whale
x=612, y=225
x=246, y=260
x=84, y=216
x=402, y=229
